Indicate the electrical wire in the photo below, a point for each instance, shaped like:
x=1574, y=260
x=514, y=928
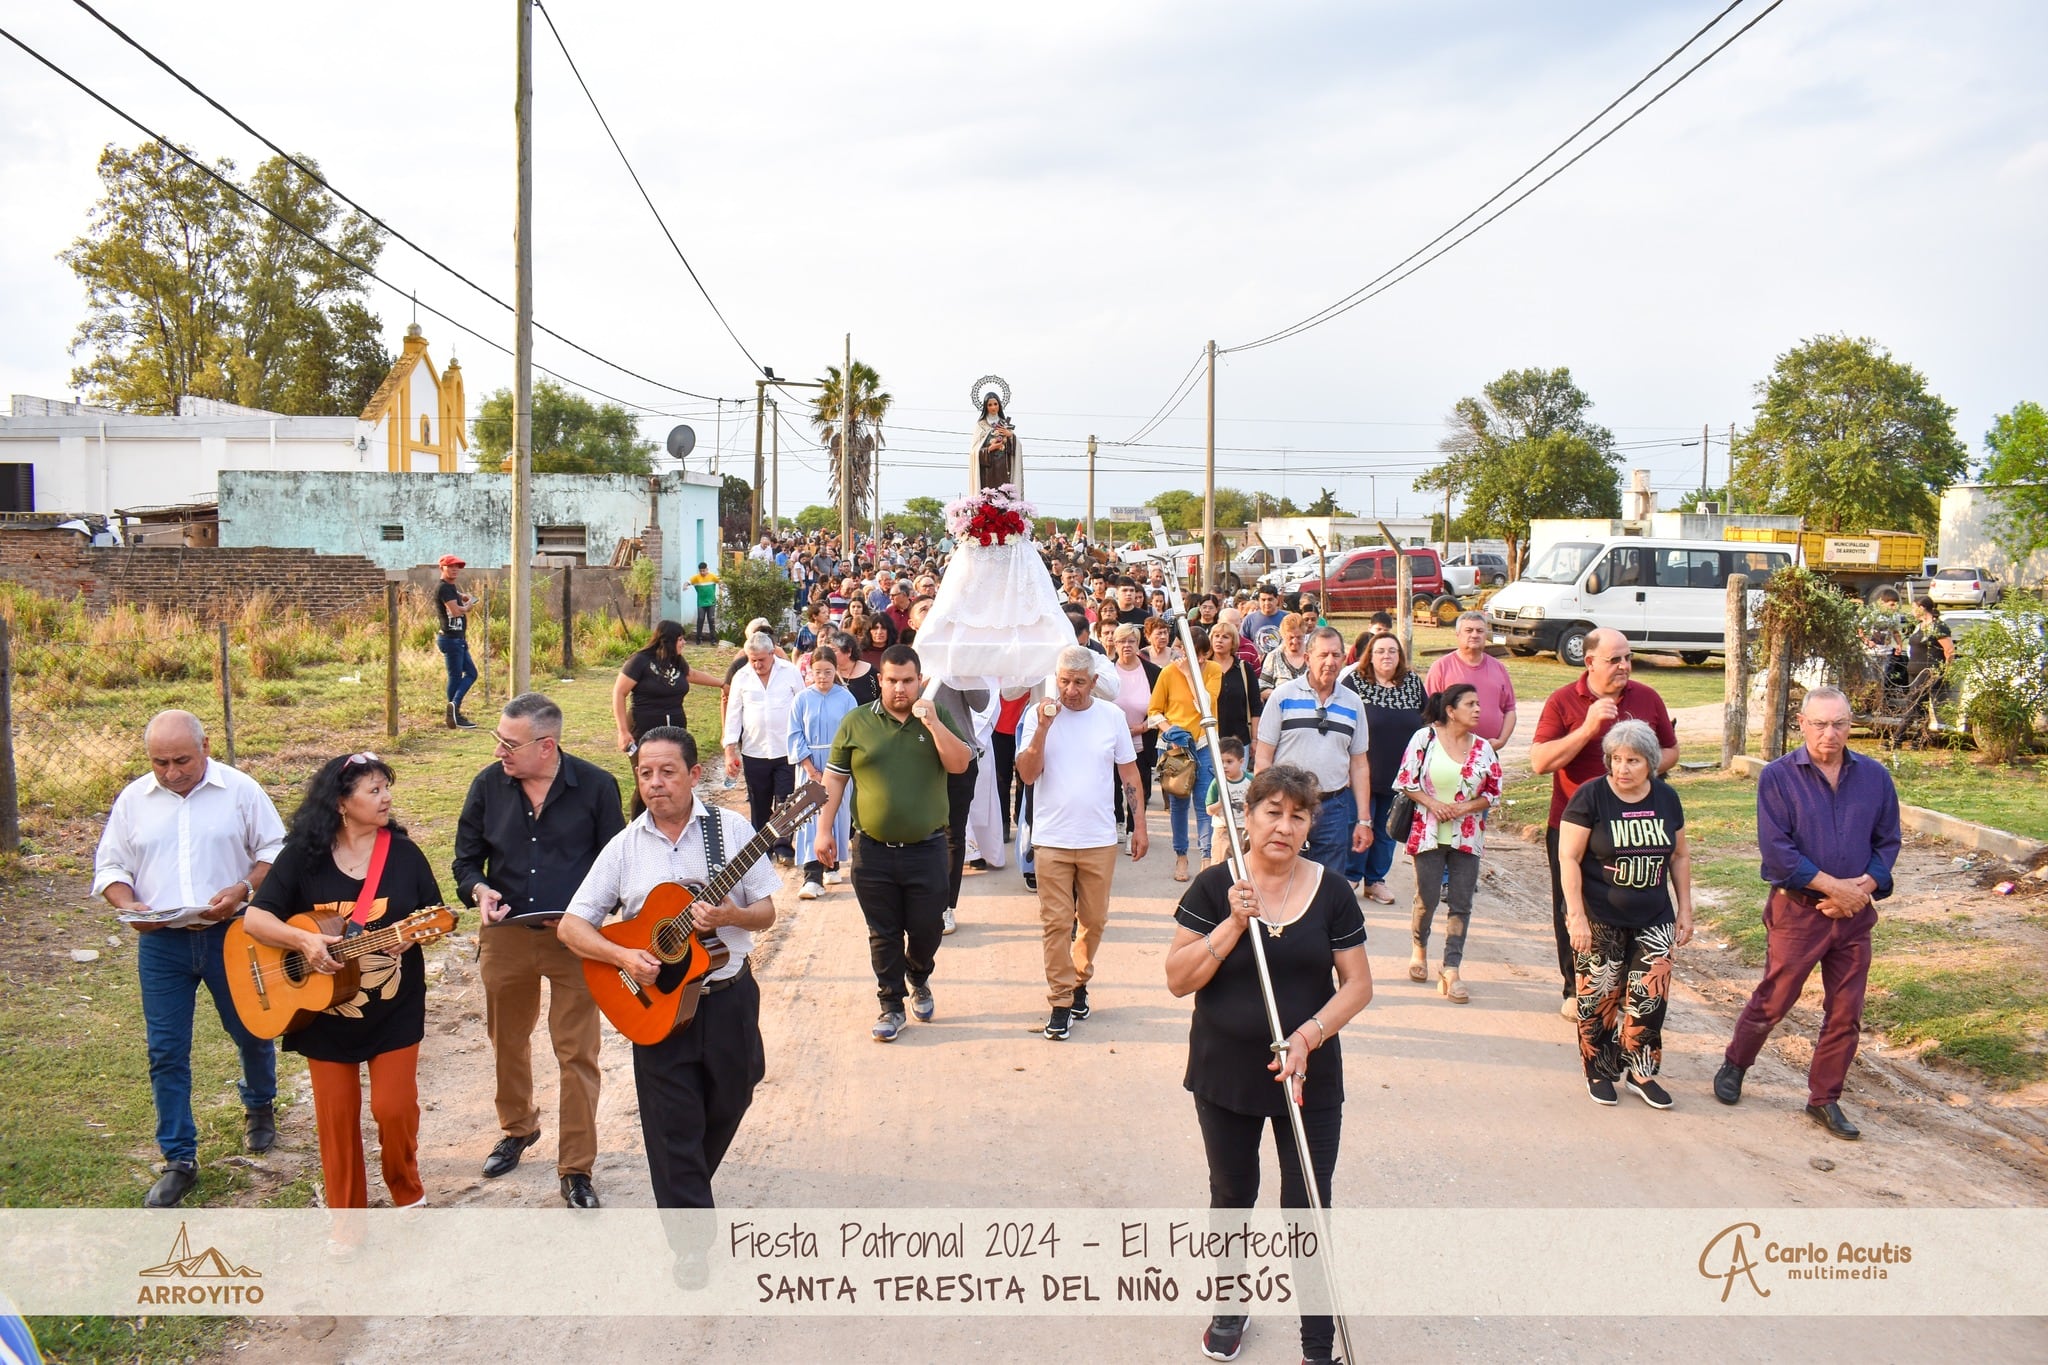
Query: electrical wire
x=1172, y=404
x=309, y=235
x=317, y=178
x=1387, y=279
x=627, y=161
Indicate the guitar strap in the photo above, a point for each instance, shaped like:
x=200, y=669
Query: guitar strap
x=367, y=901
x=713, y=830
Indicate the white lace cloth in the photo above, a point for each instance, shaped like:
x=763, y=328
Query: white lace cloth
x=995, y=615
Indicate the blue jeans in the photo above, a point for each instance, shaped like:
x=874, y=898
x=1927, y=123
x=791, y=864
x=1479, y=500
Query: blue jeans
x=172, y=963
x=461, y=668
x=1177, y=806
x=1375, y=863
x=1329, y=838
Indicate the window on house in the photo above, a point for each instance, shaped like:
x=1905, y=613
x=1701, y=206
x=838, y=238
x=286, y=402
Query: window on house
x=392, y=532
x=17, y=488
x=561, y=540
x=425, y=439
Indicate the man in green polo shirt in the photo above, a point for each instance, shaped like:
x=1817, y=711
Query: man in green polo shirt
x=898, y=751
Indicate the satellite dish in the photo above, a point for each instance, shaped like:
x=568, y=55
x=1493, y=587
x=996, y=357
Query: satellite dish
x=681, y=441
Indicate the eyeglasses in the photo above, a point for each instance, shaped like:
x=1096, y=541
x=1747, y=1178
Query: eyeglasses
x=1842, y=725
x=361, y=759
x=511, y=748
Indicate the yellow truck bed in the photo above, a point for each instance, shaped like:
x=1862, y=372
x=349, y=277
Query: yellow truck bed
x=1871, y=552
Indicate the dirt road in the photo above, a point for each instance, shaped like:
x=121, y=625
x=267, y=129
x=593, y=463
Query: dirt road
x=1461, y=1109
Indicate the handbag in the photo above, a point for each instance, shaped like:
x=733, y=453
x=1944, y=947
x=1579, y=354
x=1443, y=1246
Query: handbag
x=1177, y=771
x=1401, y=810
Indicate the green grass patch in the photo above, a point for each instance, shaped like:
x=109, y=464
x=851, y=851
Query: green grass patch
x=90, y=1341
x=1984, y=1018
x=2012, y=797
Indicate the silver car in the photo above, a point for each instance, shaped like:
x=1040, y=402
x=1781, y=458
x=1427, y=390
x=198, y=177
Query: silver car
x=1964, y=586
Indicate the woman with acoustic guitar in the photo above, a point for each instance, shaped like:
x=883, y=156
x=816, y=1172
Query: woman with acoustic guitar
x=345, y=857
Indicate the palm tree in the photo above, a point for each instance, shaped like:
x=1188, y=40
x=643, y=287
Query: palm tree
x=870, y=406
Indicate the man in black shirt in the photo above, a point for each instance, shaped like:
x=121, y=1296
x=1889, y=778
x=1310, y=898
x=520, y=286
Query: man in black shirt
x=553, y=813
x=452, y=605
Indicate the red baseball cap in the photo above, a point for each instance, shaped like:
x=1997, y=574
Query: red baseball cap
x=450, y=561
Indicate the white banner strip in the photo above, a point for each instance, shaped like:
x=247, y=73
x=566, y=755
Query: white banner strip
x=1009, y=1262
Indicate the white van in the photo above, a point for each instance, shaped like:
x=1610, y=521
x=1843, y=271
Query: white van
x=1666, y=596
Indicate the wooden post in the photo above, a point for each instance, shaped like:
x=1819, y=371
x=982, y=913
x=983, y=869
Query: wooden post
x=568, y=622
x=1777, y=694
x=1735, y=687
x=391, y=659
x=227, y=697
x=10, y=797
x=522, y=379
x=1404, y=591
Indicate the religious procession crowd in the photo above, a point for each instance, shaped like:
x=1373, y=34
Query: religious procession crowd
x=1334, y=757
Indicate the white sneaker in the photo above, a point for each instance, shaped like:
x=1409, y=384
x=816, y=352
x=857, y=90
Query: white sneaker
x=831, y=876
x=949, y=923
x=810, y=891
x=1569, y=1010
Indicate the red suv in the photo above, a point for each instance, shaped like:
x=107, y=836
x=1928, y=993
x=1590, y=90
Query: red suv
x=1363, y=580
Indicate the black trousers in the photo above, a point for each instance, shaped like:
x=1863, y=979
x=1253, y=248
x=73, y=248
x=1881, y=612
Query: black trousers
x=902, y=895
x=694, y=1088
x=768, y=780
x=959, y=802
x=707, y=624
x=1231, y=1142
x=1004, y=748
x=1567, y=966
x=1148, y=757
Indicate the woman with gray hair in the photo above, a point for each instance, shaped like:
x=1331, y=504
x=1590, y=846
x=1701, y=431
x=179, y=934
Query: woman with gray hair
x=1623, y=859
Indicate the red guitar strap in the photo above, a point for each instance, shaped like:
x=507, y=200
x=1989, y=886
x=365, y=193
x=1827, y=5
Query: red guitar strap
x=367, y=902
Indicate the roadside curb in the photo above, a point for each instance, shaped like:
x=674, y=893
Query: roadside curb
x=1936, y=824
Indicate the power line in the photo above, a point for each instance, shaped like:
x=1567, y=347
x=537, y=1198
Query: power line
x=659, y=221
x=314, y=175
x=1171, y=405
x=310, y=236
x=1374, y=287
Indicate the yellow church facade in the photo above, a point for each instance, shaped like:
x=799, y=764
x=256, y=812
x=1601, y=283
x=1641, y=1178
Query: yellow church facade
x=418, y=415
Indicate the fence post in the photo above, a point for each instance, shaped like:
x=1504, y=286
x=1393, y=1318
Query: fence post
x=568, y=623
x=483, y=665
x=1777, y=695
x=227, y=696
x=1735, y=656
x=391, y=659
x=10, y=803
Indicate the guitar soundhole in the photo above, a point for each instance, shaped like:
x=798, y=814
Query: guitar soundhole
x=671, y=940
x=295, y=969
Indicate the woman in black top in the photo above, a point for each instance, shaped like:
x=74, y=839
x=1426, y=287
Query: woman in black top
x=856, y=674
x=1393, y=697
x=652, y=684
x=326, y=856
x=1314, y=930
x=1622, y=859
x=1237, y=688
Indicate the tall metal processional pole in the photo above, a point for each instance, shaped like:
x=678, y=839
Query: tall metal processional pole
x=522, y=370
x=846, y=455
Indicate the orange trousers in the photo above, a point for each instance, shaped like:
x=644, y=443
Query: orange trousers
x=338, y=1114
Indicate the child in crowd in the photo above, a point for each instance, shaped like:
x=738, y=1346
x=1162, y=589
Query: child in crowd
x=813, y=722
x=1231, y=786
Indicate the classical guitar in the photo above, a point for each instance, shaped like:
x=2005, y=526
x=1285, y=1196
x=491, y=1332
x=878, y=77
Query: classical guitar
x=666, y=928
x=276, y=990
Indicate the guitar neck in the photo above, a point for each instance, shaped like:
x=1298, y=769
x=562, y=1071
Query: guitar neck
x=720, y=886
x=377, y=941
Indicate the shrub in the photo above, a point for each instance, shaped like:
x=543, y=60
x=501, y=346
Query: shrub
x=751, y=588
x=272, y=657
x=275, y=694
x=2001, y=675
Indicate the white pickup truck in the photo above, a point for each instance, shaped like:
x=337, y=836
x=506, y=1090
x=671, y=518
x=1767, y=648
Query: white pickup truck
x=1257, y=563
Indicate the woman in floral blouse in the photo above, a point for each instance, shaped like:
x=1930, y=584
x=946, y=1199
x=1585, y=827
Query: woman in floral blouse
x=1453, y=776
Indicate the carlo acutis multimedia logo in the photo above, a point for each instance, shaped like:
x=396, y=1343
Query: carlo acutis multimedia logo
x=1741, y=1252
x=205, y=1278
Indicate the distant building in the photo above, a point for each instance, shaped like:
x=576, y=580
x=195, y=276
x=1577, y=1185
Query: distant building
x=73, y=458
x=1342, y=533
x=1969, y=536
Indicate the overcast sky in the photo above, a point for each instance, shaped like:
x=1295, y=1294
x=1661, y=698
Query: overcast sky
x=1078, y=195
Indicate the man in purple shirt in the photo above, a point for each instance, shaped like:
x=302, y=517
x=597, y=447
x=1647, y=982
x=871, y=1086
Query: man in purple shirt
x=1827, y=822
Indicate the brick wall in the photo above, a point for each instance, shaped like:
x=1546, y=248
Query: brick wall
x=206, y=582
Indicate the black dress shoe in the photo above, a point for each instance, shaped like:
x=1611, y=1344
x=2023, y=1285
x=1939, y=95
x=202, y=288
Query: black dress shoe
x=1728, y=1083
x=1831, y=1117
x=506, y=1154
x=259, y=1128
x=173, y=1185
x=577, y=1192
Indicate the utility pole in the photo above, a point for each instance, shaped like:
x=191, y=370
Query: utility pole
x=1209, y=483
x=1703, y=458
x=1091, y=488
x=754, y=502
x=775, y=435
x=846, y=455
x=1731, y=469
x=522, y=368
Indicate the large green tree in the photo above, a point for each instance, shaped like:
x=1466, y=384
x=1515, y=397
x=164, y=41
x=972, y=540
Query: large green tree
x=922, y=516
x=2017, y=457
x=571, y=434
x=818, y=517
x=1181, y=510
x=735, y=508
x=1523, y=449
x=190, y=291
x=1848, y=438
x=870, y=407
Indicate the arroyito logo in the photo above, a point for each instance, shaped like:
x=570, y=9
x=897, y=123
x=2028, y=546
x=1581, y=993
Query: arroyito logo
x=207, y=1278
x=1728, y=1258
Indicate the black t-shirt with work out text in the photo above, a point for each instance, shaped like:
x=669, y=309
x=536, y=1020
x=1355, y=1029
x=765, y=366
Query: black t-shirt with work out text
x=1626, y=873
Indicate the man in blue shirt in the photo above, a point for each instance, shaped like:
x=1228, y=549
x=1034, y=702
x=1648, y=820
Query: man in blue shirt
x=1827, y=823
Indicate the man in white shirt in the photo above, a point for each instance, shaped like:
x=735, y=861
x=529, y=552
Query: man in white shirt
x=185, y=847
x=1075, y=750
x=757, y=730
x=694, y=1086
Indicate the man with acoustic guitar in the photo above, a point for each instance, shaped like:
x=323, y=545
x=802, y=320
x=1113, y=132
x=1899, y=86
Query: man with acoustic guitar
x=694, y=1086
